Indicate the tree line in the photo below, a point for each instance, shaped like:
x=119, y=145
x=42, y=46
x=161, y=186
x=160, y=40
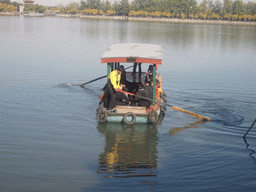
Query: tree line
x=184, y=9
x=8, y=6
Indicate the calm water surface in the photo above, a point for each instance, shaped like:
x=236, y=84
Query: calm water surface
x=49, y=135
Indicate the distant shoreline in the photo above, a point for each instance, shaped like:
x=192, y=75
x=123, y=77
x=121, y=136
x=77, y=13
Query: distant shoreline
x=168, y=20
x=149, y=19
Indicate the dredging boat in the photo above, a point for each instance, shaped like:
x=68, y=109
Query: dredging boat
x=134, y=111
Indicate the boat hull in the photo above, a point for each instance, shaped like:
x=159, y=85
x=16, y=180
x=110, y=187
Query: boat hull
x=129, y=115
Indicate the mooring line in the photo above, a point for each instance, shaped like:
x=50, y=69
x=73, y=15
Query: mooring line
x=250, y=128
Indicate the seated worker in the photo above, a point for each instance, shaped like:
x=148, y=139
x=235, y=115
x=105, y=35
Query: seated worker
x=150, y=69
x=113, y=85
x=121, y=99
x=145, y=91
x=149, y=78
x=123, y=76
x=149, y=74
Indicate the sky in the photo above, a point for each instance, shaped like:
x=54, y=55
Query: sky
x=65, y=2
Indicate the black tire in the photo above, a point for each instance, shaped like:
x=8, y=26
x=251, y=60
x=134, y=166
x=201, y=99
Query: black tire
x=133, y=118
x=153, y=116
x=102, y=116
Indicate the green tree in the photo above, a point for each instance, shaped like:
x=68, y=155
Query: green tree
x=17, y=5
x=184, y=8
x=122, y=8
x=72, y=11
x=131, y=13
x=202, y=16
x=234, y=17
x=63, y=10
x=2, y=7
x=238, y=7
x=110, y=12
x=217, y=7
x=227, y=7
x=254, y=18
x=191, y=16
x=53, y=9
x=95, y=11
x=250, y=8
x=40, y=9
x=156, y=14
x=210, y=4
x=83, y=5
x=37, y=8
x=29, y=8
x=214, y=16
x=203, y=6
x=146, y=5
x=7, y=2
x=193, y=6
x=249, y=17
x=106, y=6
x=88, y=11
x=137, y=5
x=227, y=17
x=145, y=13
x=72, y=5
x=101, y=12
x=125, y=7
x=168, y=14
x=182, y=15
x=94, y=4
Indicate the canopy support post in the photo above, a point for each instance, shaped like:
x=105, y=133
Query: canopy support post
x=154, y=83
x=108, y=69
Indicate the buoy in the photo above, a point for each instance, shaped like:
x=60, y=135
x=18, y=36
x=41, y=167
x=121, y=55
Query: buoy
x=102, y=116
x=133, y=116
x=153, y=116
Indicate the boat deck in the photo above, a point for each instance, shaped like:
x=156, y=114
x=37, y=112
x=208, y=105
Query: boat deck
x=134, y=109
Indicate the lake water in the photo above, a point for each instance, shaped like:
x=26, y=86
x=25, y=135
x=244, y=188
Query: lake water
x=49, y=136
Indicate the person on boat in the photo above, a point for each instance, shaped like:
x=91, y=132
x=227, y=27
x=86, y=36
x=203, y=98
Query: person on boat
x=113, y=85
x=146, y=91
x=149, y=74
x=124, y=83
x=150, y=69
x=121, y=99
x=123, y=76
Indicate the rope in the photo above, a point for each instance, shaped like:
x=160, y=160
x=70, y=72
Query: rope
x=250, y=128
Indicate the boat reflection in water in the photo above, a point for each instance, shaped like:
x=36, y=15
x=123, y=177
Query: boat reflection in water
x=189, y=126
x=130, y=150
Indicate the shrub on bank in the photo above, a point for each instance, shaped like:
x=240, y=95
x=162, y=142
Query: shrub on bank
x=7, y=8
x=157, y=14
